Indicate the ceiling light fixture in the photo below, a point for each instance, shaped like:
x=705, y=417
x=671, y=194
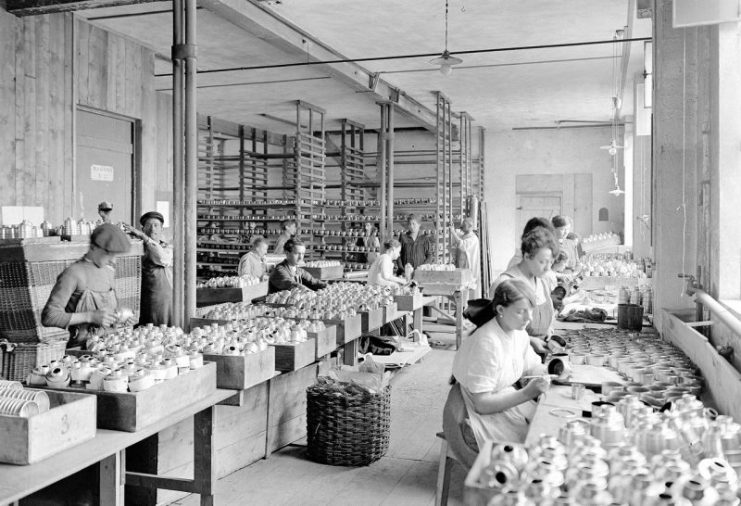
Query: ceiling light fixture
x=446, y=61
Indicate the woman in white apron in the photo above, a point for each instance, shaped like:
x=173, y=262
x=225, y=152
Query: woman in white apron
x=539, y=247
x=492, y=359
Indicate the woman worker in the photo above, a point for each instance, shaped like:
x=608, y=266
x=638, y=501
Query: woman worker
x=83, y=298
x=539, y=247
x=156, y=297
x=493, y=358
x=382, y=270
x=288, y=274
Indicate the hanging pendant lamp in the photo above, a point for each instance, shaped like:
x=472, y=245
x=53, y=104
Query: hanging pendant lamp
x=445, y=61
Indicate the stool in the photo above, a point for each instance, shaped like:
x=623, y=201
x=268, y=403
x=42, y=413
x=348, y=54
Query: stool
x=443, y=471
x=453, y=447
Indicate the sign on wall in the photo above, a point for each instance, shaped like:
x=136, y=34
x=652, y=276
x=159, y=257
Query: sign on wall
x=101, y=172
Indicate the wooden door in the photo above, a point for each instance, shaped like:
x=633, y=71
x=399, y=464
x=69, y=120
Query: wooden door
x=530, y=205
x=105, y=165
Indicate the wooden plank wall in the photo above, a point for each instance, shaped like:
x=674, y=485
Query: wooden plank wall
x=38, y=93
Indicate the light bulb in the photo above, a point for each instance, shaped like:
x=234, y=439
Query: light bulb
x=612, y=150
x=446, y=69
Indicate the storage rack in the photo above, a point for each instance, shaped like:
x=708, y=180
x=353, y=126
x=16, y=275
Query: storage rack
x=346, y=197
x=239, y=181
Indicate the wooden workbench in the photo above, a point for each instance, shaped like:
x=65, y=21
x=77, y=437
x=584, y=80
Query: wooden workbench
x=108, y=450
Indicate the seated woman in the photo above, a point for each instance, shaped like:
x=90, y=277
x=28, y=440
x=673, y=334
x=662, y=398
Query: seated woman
x=288, y=274
x=538, y=248
x=493, y=358
x=382, y=270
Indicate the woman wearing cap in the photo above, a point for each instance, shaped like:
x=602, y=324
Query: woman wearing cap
x=83, y=299
x=156, y=301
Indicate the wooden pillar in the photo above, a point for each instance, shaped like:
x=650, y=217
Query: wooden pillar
x=381, y=168
x=178, y=93
x=191, y=165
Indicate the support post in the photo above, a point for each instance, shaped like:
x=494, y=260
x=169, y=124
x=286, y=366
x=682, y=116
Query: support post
x=177, y=164
x=191, y=165
x=381, y=167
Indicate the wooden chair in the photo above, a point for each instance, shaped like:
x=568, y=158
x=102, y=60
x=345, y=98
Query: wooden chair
x=453, y=447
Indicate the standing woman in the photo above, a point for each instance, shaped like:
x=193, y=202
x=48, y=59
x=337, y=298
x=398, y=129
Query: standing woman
x=492, y=359
x=466, y=251
x=382, y=270
x=539, y=247
x=156, y=297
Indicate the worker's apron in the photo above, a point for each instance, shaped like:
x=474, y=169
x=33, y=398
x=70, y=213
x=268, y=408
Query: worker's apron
x=540, y=324
x=91, y=300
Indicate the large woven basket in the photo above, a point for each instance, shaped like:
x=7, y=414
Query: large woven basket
x=347, y=430
x=25, y=287
x=17, y=360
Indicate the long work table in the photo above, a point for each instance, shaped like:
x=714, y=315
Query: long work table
x=108, y=450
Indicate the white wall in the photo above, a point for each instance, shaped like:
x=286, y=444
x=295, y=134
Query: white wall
x=555, y=151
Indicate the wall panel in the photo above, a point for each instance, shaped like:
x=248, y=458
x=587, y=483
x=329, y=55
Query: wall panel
x=38, y=97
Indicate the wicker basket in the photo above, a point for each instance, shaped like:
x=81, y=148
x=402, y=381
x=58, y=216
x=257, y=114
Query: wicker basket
x=17, y=360
x=25, y=287
x=347, y=431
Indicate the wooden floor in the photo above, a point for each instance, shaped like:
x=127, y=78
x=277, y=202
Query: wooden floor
x=405, y=476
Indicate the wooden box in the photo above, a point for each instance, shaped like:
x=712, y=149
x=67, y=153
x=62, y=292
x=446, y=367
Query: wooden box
x=372, y=319
x=69, y=422
x=474, y=494
x=334, y=272
x=291, y=357
x=326, y=340
x=210, y=296
x=457, y=277
x=409, y=302
x=131, y=412
x=243, y=371
x=389, y=313
x=348, y=329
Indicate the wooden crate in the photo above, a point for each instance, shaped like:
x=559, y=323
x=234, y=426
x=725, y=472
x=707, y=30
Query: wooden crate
x=69, y=422
x=291, y=357
x=334, y=272
x=210, y=296
x=348, y=329
x=390, y=313
x=409, y=302
x=371, y=320
x=130, y=412
x=243, y=371
x=457, y=277
x=326, y=340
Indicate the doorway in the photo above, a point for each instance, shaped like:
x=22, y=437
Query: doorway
x=529, y=205
x=105, y=164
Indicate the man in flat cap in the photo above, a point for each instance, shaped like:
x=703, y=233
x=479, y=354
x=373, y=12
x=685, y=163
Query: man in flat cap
x=156, y=301
x=83, y=298
x=104, y=211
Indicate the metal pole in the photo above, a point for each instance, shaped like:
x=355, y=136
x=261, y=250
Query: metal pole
x=381, y=167
x=390, y=164
x=177, y=164
x=191, y=163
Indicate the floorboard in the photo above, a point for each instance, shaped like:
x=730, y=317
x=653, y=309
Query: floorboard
x=405, y=476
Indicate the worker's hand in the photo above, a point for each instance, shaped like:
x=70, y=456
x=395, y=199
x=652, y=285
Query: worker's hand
x=133, y=231
x=537, y=386
x=538, y=345
x=103, y=317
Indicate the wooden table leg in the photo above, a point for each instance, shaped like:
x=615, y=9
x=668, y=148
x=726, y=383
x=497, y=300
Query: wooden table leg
x=112, y=479
x=350, y=352
x=204, y=473
x=417, y=322
x=460, y=297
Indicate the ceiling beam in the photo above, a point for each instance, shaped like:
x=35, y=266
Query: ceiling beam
x=23, y=8
x=280, y=33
